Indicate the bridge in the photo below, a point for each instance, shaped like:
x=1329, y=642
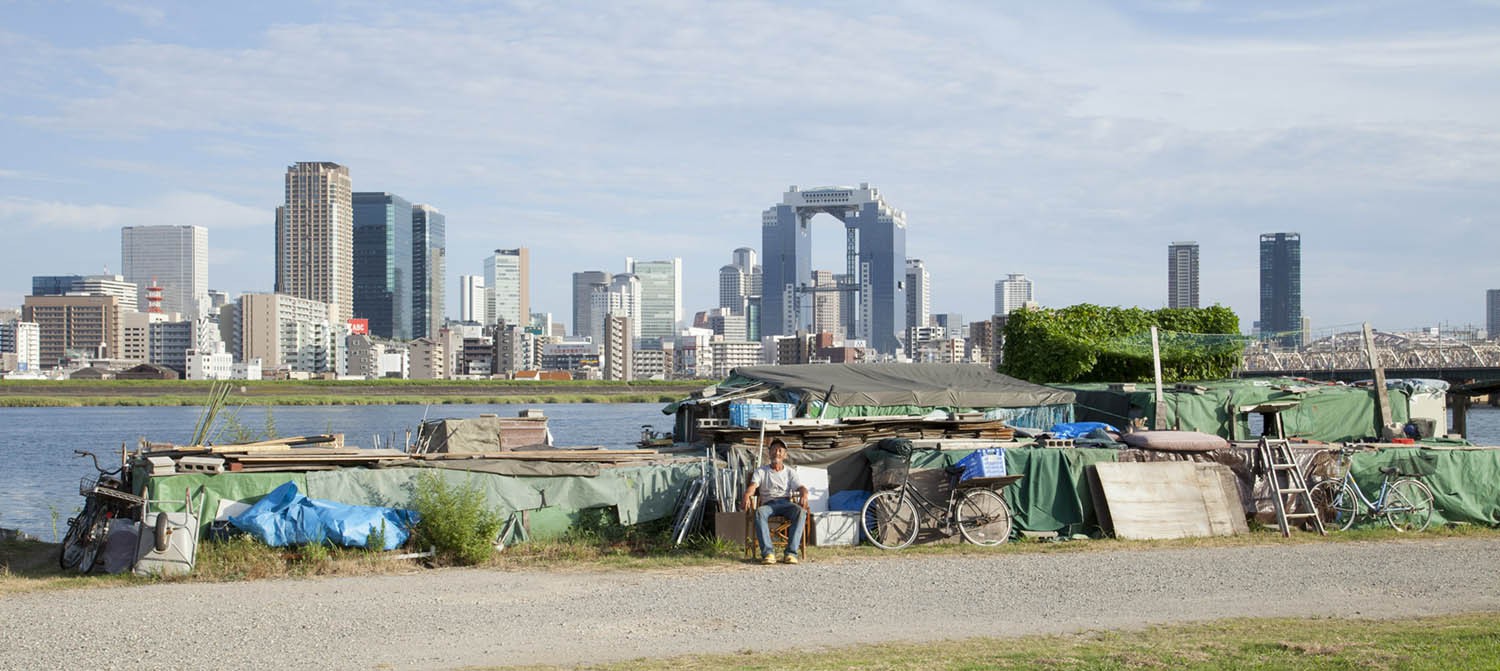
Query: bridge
x=1342, y=357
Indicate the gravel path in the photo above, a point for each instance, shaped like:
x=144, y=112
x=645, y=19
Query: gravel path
x=442, y=619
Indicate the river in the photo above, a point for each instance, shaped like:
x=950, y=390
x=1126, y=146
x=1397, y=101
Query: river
x=39, y=473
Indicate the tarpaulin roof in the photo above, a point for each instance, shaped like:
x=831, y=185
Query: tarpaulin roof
x=910, y=384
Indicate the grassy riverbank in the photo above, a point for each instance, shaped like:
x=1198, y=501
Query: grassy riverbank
x=63, y=393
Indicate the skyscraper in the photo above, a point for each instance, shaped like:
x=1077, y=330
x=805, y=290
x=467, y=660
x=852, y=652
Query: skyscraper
x=918, y=293
x=1182, y=275
x=661, y=296
x=875, y=263
x=471, y=298
x=383, y=263
x=1281, y=287
x=827, y=305
x=732, y=281
x=507, y=281
x=429, y=270
x=585, y=283
x=1492, y=314
x=315, y=236
x=1012, y=293
x=175, y=258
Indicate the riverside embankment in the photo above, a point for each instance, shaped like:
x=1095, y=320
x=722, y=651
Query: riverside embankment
x=62, y=393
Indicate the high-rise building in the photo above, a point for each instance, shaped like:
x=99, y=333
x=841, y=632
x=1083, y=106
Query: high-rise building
x=622, y=298
x=293, y=333
x=52, y=285
x=383, y=263
x=83, y=325
x=918, y=293
x=1281, y=287
x=585, y=283
x=108, y=285
x=1012, y=293
x=507, y=284
x=21, y=339
x=471, y=298
x=875, y=263
x=429, y=272
x=1182, y=275
x=661, y=296
x=1492, y=314
x=615, y=352
x=952, y=323
x=827, y=305
x=315, y=236
x=732, y=283
x=174, y=258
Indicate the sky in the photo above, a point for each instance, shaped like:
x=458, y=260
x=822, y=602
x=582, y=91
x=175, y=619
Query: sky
x=1071, y=142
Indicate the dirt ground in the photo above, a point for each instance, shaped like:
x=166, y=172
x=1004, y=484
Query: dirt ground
x=453, y=618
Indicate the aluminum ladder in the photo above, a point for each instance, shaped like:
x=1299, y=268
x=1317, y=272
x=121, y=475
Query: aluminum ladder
x=1285, y=478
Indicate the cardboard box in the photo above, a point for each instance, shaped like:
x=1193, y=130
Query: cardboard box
x=730, y=526
x=838, y=527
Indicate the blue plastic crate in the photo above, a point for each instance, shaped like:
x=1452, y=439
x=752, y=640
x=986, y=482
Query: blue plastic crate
x=986, y=463
x=740, y=414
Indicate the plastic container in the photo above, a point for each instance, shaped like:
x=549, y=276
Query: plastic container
x=986, y=463
x=740, y=414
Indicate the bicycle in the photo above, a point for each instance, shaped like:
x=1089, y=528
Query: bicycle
x=974, y=511
x=107, y=496
x=1405, y=501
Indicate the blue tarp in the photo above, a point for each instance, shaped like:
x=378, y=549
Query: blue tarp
x=1078, y=429
x=287, y=517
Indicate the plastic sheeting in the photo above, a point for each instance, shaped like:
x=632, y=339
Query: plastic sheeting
x=1465, y=484
x=287, y=517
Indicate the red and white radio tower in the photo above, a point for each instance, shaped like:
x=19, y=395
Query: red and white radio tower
x=153, y=297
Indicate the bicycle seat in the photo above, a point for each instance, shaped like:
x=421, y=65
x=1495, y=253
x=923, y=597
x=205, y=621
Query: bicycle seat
x=1389, y=470
x=953, y=470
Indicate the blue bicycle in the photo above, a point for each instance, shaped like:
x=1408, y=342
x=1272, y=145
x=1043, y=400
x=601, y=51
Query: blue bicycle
x=1405, y=501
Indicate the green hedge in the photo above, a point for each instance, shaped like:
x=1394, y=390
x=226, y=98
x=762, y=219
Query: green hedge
x=1091, y=343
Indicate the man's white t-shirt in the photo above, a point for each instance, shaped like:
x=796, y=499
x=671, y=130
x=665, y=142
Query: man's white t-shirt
x=773, y=484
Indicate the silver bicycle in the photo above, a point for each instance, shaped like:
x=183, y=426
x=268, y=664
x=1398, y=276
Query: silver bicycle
x=1404, y=501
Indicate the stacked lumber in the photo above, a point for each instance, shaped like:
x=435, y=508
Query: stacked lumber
x=293, y=453
x=856, y=431
x=562, y=455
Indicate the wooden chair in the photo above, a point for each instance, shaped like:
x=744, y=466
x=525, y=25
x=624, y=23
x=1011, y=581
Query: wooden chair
x=781, y=530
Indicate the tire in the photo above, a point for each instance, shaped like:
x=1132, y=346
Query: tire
x=1408, y=505
x=1335, y=503
x=72, y=542
x=983, y=518
x=160, y=533
x=889, y=520
x=93, y=542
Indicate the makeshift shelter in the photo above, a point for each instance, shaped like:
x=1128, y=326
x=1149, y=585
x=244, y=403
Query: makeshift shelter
x=832, y=391
x=1305, y=409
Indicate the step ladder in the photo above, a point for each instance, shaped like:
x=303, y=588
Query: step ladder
x=1285, y=478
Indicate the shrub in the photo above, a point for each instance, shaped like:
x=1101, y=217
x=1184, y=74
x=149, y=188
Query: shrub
x=454, y=520
x=1090, y=343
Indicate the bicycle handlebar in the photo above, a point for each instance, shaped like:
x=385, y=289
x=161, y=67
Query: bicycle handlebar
x=97, y=467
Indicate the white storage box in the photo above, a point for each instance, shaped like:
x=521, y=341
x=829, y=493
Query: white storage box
x=839, y=527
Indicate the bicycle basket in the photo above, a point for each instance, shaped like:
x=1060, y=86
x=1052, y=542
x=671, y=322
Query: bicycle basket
x=890, y=463
x=86, y=484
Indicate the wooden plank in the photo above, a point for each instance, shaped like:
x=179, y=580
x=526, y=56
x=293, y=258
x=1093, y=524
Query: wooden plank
x=1154, y=500
x=1221, y=499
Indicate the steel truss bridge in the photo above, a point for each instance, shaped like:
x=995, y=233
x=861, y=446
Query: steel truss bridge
x=1342, y=357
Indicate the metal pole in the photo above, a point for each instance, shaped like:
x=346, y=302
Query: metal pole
x=1161, y=401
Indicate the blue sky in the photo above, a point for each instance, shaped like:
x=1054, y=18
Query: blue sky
x=1068, y=141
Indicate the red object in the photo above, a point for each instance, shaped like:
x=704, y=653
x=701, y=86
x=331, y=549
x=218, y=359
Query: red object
x=1404, y=441
x=359, y=326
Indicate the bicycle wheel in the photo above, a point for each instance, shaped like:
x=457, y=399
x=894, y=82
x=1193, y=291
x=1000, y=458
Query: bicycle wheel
x=72, y=542
x=93, y=541
x=1336, y=504
x=983, y=517
x=1408, y=505
x=889, y=520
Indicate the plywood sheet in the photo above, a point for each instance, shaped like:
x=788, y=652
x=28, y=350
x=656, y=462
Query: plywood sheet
x=1165, y=500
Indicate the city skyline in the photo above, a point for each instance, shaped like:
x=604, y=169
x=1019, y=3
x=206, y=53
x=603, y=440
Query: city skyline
x=1355, y=125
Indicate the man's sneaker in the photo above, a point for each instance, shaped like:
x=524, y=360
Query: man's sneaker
x=768, y=559
x=790, y=559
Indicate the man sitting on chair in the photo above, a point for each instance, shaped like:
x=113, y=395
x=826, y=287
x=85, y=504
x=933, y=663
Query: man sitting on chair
x=775, y=483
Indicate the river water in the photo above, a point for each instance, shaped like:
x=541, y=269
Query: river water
x=39, y=473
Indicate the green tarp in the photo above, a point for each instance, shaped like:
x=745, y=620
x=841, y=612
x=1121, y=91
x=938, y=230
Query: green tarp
x=1321, y=412
x=640, y=493
x=1465, y=484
